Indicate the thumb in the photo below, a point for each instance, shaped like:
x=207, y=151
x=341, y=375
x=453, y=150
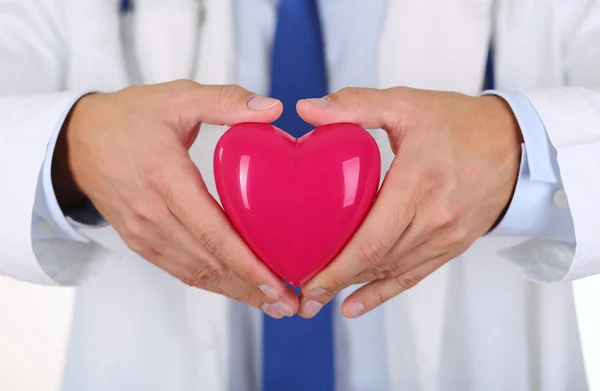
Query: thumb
x=227, y=104
x=368, y=107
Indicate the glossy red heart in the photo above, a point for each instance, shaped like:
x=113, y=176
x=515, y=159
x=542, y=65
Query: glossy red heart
x=297, y=202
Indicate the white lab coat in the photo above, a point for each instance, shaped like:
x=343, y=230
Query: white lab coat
x=477, y=324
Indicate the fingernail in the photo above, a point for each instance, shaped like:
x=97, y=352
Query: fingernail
x=314, y=293
x=355, y=308
x=284, y=308
x=311, y=308
x=271, y=292
x=272, y=310
x=261, y=103
x=321, y=103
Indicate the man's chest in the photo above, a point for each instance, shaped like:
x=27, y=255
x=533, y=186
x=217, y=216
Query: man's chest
x=161, y=41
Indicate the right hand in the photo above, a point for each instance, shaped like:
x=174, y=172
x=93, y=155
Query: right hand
x=127, y=152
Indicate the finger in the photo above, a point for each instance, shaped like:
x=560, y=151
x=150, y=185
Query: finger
x=205, y=270
x=237, y=289
x=395, y=264
x=225, y=104
x=159, y=237
x=195, y=208
x=378, y=292
x=420, y=241
x=197, y=269
x=232, y=287
x=392, y=266
x=368, y=107
x=138, y=233
x=385, y=223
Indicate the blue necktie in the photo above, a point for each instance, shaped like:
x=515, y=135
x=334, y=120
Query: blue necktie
x=490, y=76
x=298, y=62
x=125, y=6
x=298, y=353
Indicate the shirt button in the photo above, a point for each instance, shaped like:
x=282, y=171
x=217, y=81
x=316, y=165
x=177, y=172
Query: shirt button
x=560, y=198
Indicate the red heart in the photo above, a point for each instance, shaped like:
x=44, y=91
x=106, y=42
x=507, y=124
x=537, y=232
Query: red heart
x=296, y=202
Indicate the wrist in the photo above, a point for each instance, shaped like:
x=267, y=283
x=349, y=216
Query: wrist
x=504, y=120
x=68, y=192
x=507, y=136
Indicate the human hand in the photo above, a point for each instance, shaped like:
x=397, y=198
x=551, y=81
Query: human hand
x=455, y=168
x=127, y=152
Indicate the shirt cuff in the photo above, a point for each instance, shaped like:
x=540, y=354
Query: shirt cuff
x=539, y=206
x=46, y=204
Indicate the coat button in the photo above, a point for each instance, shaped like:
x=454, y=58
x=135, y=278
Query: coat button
x=560, y=198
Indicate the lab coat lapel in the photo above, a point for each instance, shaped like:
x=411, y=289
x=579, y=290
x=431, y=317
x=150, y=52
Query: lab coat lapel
x=187, y=39
x=165, y=37
x=532, y=63
x=184, y=39
x=95, y=60
x=452, y=56
x=214, y=64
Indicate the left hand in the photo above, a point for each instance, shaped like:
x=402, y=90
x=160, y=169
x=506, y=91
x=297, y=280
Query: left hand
x=456, y=164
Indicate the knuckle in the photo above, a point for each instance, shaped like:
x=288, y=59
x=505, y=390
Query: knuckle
x=405, y=96
x=365, y=275
x=401, y=117
x=247, y=297
x=371, y=254
x=397, y=92
x=129, y=92
x=227, y=96
x=247, y=274
x=186, y=279
x=378, y=273
x=459, y=236
x=430, y=188
x=189, y=281
x=333, y=284
x=183, y=85
x=156, y=181
x=145, y=212
x=462, y=248
x=134, y=231
x=379, y=298
x=254, y=299
x=148, y=254
x=225, y=273
x=407, y=280
x=351, y=96
x=387, y=272
x=402, y=97
x=211, y=244
x=137, y=246
x=207, y=275
x=445, y=217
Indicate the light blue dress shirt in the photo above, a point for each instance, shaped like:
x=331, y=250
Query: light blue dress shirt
x=360, y=361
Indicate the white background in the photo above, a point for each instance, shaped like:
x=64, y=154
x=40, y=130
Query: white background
x=34, y=328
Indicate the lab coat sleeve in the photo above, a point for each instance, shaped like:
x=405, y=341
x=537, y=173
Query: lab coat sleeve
x=65, y=223
x=571, y=116
x=32, y=108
